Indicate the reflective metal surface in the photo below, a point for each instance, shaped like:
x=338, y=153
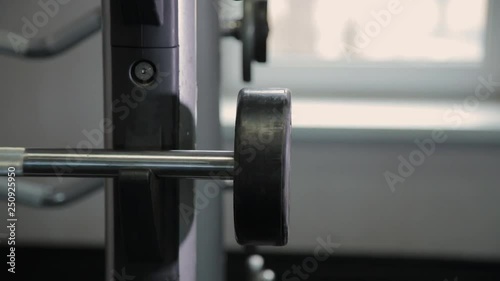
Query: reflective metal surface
x=103, y=163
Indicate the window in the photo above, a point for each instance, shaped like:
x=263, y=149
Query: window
x=362, y=50
x=378, y=30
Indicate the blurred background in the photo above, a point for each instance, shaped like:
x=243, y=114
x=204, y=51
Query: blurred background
x=371, y=81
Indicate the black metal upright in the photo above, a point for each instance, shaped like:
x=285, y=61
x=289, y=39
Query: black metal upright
x=150, y=92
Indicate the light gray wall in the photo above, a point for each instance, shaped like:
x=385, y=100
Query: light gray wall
x=48, y=103
x=210, y=252
x=448, y=207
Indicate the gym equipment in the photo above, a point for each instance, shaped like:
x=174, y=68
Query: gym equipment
x=252, y=30
x=259, y=165
x=262, y=142
x=150, y=94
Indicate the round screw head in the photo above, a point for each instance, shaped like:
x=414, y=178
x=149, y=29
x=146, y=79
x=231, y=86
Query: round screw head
x=143, y=72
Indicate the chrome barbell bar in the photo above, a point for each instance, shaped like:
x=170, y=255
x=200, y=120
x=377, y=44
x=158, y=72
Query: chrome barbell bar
x=107, y=163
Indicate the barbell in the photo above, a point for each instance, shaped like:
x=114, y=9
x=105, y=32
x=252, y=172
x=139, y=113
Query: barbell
x=259, y=165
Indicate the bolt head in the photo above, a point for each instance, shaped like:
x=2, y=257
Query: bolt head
x=143, y=72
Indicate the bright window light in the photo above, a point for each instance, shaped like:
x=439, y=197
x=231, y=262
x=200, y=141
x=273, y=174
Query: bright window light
x=378, y=30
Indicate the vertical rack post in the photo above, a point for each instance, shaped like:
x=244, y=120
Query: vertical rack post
x=150, y=104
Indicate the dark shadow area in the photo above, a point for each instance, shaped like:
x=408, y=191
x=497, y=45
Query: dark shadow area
x=55, y=264
x=360, y=268
x=73, y=264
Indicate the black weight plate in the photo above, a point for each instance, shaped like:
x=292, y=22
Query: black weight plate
x=247, y=35
x=262, y=163
x=261, y=30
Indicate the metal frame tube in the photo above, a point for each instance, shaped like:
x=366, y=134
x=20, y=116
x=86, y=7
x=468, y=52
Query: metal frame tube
x=106, y=163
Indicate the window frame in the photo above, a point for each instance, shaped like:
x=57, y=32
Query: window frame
x=432, y=80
